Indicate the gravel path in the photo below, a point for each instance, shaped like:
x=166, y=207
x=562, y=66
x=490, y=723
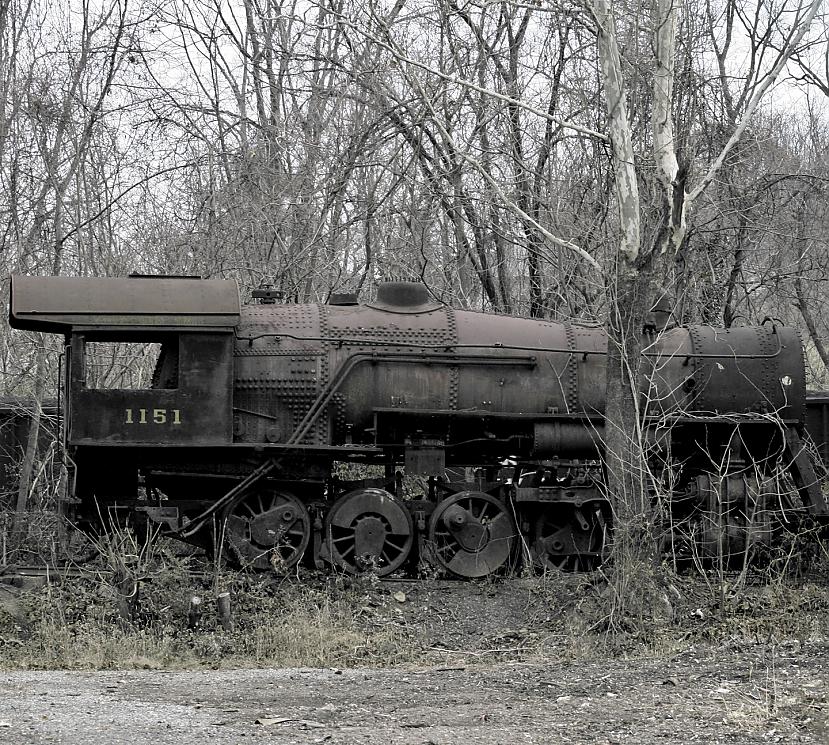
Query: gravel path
x=758, y=695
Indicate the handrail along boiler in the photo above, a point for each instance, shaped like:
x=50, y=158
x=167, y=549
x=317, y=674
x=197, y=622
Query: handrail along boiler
x=252, y=410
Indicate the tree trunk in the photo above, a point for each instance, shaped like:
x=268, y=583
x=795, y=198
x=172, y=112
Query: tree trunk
x=628, y=289
x=808, y=319
x=627, y=478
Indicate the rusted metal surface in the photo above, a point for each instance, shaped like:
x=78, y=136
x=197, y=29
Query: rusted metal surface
x=749, y=370
x=249, y=410
x=280, y=368
x=196, y=411
x=268, y=529
x=325, y=374
x=404, y=297
x=57, y=304
x=570, y=537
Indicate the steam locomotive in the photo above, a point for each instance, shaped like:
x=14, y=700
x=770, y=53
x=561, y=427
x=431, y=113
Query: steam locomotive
x=257, y=415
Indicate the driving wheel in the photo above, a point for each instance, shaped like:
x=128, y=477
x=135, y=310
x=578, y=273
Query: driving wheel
x=268, y=529
x=368, y=530
x=569, y=538
x=472, y=534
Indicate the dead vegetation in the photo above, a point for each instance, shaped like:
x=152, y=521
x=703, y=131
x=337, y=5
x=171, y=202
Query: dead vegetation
x=134, y=607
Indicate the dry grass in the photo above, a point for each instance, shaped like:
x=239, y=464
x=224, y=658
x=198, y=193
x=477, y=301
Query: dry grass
x=99, y=619
x=131, y=609
x=77, y=624
x=685, y=609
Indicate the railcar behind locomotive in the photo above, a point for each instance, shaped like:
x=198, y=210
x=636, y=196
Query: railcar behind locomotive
x=252, y=409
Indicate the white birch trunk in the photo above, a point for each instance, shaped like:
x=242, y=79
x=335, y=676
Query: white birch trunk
x=621, y=142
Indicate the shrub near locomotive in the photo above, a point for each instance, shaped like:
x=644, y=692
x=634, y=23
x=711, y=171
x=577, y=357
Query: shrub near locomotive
x=251, y=410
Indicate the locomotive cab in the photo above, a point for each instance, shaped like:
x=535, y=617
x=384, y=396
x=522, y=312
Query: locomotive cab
x=187, y=401
x=187, y=324
x=115, y=418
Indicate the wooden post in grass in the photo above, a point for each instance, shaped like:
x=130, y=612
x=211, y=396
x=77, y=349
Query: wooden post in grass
x=126, y=600
x=225, y=615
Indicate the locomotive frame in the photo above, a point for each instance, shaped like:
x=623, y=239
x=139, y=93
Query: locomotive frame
x=250, y=408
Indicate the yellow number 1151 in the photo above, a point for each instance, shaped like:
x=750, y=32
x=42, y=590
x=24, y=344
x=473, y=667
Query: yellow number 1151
x=153, y=416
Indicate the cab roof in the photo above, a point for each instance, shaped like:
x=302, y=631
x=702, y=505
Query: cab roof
x=59, y=304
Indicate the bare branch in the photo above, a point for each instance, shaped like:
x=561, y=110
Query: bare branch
x=398, y=54
x=795, y=37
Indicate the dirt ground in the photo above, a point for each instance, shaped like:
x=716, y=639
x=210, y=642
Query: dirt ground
x=490, y=664
x=756, y=695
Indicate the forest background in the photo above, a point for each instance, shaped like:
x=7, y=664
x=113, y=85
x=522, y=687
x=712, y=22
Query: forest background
x=562, y=160
x=320, y=146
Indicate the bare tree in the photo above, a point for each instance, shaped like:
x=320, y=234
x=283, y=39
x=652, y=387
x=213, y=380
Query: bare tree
x=630, y=283
x=51, y=114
